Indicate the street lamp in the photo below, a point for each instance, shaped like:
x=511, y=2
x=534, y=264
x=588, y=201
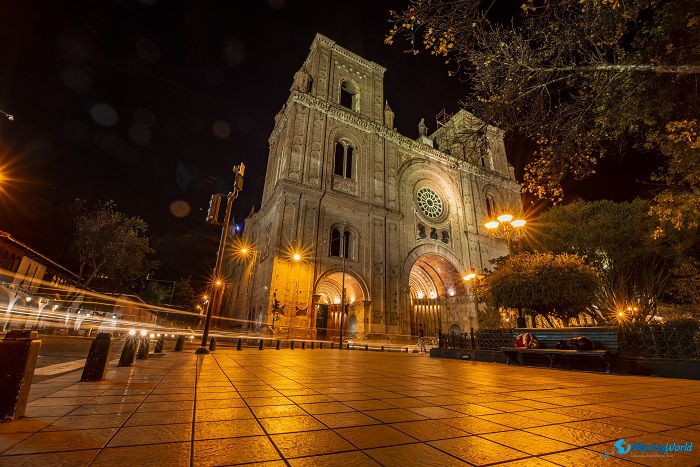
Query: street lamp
x=506, y=227
x=8, y=116
x=470, y=276
x=296, y=257
x=237, y=187
x=343, y=247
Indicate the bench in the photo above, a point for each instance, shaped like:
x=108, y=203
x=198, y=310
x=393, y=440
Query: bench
x=605, y=344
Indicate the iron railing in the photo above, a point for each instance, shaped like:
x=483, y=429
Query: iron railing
x=651, y=342
x=654, y=342
x=483, y=339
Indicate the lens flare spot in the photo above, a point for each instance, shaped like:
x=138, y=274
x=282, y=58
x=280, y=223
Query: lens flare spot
x=179, y=208
x=221, y=129
x=103, y=114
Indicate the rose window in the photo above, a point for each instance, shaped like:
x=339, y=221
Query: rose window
x=429, y=203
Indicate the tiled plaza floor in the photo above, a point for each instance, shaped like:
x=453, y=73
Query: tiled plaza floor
x=350, y=408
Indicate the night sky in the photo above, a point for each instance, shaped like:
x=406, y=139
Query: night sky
x=151, y=103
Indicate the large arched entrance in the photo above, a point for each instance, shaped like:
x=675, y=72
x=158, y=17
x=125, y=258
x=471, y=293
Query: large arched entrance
x=438, y=296
x=328, y=305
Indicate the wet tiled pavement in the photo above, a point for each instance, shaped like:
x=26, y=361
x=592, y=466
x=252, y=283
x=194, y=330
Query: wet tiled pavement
x=350, y=408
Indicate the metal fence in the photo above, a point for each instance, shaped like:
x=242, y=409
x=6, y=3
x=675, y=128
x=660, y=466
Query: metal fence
x=647, y=342
x=483, y=339
x=660, y=343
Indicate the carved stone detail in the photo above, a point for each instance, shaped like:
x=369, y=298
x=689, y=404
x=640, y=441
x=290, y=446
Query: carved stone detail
x=345, y=185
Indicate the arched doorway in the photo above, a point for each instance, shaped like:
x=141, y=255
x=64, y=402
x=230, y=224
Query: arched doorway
x=328, y=306
x=438, y=296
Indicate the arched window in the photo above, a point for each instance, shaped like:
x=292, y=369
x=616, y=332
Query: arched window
x=344, y=159
x=485, y=158
x=335, y=244
x=349, y=96
x=490, y=207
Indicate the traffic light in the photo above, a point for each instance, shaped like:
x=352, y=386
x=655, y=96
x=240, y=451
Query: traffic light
x=213, y=211
x=238, y=182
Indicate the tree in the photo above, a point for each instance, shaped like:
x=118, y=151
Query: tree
x=155, y=294
x=109, y=245
x=556, y=286
x=617, y=239
x=184, y=294
x=579, y=78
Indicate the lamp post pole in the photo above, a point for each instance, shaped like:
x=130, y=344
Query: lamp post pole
x=296, y=258
x=218, y=287
x=342, y=286
x=468, y=278
x=505, y=226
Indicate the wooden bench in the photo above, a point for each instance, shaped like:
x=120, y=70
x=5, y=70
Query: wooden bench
x=605, y=344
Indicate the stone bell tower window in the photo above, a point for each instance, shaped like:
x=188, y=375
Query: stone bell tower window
x=349, y=96
x=344, y=159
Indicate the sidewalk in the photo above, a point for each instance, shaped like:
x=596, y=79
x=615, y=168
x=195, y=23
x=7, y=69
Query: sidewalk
x=337, y=408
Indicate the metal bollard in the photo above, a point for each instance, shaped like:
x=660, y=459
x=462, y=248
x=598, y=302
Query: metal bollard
x=303, y=345
x=98, y=357
x=238, y=346
x=260, y=347
x=382, y=348
x=348, y=346
x=312, y=345
x=278, y=345
x=366, y=346
x=18, y=354
x=159, y=344
x=144, y=347
x=320, y=345
x=332, y=344
x=212, y=344
x=292, y=345
x=179, y=343
x=131, y=346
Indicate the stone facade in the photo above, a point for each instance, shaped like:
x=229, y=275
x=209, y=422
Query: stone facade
x=395, y=222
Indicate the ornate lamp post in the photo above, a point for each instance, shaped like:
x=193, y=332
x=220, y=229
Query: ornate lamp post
x=470, y=276
x=506, y=227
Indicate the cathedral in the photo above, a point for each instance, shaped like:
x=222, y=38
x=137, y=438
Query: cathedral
x=356, y=217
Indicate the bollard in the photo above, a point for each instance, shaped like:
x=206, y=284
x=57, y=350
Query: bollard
x=312, y=345
x=179, y=343
x=292, y=345
x=320, y=345
x=261, y=344
x=348, y=346
x=303, y=345
x=238, y=346
x=366, y=346
x=131, y=346
x=144, y=347
x=212, y=343
x=98, y=357
x=332, y=344
x=278, y=344
x=18, y=354
x=382, y=348
x=159, y=344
